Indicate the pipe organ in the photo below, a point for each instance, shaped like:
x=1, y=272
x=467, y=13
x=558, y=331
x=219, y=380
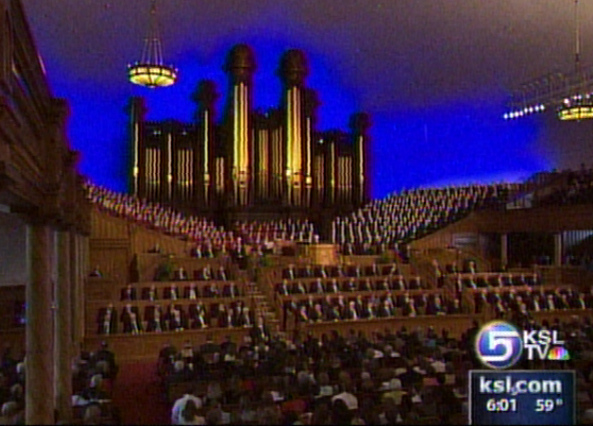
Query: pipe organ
x=251, y=159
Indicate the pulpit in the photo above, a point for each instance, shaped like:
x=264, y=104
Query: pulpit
x=323, y=254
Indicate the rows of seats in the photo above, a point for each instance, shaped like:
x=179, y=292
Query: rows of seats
x=92, y=383
x=269, y=381
x=344, y=278
x=355, y=292
x=488, y=280
x=209, y=239
x=212, y=299
x=291, y=272
x=191, y=291
x=526, y=300
x=344, y=284
x=12, y=386
x=94, y=374
x=368, y=306
x=154, y=265
x=469, y=266
x=258, y=232
x=522, y=306
x=400, y=217
x=577, y=188
x=249, y=385
x=159, y=217
x=175, y=315
x=206, y=250
x=404, y=376
x=312, y=300
x=405, y=216
x=187, y=294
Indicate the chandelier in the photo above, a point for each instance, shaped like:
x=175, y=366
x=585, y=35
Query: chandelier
x=150, y=70
x=570, y=94
x=580, y=105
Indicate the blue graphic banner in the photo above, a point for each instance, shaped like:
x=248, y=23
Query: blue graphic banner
x=522, y=397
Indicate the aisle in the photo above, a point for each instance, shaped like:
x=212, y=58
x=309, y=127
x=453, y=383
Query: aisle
x=137, y=394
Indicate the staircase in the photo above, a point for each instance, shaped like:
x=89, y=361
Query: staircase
x=262, y=306
x=260, y=302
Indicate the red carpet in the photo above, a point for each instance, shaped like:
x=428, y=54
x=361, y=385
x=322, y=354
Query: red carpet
x=138, y=395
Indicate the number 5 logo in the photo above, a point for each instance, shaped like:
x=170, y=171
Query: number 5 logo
x=498, y=338
x=499, y=344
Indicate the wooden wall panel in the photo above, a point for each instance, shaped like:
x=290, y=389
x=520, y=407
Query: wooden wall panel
x=563, y=316
x=146, y=264
x=561, y=275
x=366, y=260
x=112, y=258
x=104, y=226
x=13, y=250
x=456, y=324
x=536, y=220
x=143, y=240
x=445, y=237
x=146, y=347
x=324, y=254
x=543, y=219
x=101, y=289
x=92, y=308
x=439, y=239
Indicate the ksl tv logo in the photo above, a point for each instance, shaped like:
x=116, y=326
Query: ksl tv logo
x=499, y=345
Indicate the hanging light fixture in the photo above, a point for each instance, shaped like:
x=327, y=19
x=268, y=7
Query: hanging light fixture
x=570, y=95
x=150, y=71
x=579, y=106
x=576, y=108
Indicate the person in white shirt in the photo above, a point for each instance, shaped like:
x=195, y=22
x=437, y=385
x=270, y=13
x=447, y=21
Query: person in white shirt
x=325, y=389
x=189, y=415
x=179, y=406
x=350, y=399
x=438, y=364
x=192, y=292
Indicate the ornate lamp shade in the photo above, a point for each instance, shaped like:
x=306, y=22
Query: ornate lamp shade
x=576, y=113
x=152, y=75
x=576, y=109
x=150, y=71
x=571, y=94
